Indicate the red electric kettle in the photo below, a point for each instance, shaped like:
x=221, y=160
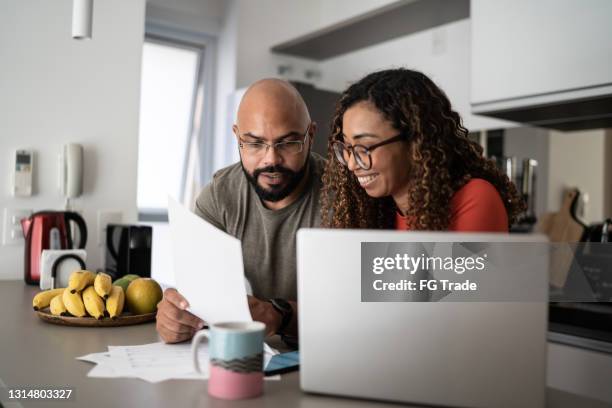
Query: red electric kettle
x=48, y=230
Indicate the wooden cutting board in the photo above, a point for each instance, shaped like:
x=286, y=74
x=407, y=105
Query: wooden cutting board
x=561, y=226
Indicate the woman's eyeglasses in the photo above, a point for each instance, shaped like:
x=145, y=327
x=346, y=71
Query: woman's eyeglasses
x=363, y=154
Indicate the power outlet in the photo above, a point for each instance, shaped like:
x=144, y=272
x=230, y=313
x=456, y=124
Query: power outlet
x=106, y=217
x=12, y=233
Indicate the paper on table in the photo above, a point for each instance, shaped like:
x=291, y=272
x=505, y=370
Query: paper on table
x=158, y=358
x=94, y=357
x=208, y=267
x=155, y=362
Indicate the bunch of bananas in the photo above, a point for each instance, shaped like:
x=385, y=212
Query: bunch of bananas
x=87, y=294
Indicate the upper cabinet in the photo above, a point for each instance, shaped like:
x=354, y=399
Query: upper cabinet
x=392, y=20
x=545, y=62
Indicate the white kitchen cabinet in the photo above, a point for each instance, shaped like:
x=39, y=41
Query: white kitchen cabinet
x=537, y=52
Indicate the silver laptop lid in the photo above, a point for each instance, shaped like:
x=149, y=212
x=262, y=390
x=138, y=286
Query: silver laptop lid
x=474, y=354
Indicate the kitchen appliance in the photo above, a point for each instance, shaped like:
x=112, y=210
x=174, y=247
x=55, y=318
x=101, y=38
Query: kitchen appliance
x=523, y=173
x=128, y=250
x=591, y=320
x=528, y=189
x=56, y=266
x=49, y=230
x=511, y=169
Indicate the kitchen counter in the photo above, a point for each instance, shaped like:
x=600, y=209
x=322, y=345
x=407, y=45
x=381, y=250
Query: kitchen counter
x=38, y=354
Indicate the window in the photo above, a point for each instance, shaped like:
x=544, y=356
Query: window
x=174, y=119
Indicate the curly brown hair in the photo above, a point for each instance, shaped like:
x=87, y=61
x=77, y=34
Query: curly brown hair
x=443, y=158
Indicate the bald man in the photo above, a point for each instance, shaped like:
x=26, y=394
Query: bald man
x=263, y=200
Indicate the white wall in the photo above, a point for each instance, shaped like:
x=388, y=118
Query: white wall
x=578, y=159
x=54, y=90
x=203, y=16
x=213, y=9
x=333, y=12
x=265, y=23
x=227, y=54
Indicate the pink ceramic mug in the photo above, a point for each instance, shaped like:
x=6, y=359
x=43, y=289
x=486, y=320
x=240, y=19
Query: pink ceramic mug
x=236, y=359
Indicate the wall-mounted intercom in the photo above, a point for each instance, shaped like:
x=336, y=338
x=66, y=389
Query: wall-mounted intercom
x=71, y=170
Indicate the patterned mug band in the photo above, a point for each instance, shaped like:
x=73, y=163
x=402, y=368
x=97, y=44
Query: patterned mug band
x=248, y=364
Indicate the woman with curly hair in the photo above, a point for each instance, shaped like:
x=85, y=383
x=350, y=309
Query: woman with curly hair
x=400, y=158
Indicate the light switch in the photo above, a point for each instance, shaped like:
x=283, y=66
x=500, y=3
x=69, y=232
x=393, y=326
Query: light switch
x=16, y=234
x=12, y=233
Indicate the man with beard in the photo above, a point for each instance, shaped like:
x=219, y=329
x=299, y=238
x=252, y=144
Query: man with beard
x=263, y=200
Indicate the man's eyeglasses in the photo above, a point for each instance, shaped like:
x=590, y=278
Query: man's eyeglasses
x=289, y=147
x=363, y=154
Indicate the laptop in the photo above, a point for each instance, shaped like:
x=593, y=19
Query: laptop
x=467, y=354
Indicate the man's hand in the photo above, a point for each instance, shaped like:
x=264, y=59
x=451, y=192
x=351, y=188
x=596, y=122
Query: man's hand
x=264, y=312
x=174, y=323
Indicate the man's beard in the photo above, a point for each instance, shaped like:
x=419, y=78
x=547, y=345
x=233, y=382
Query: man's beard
x=276, y=193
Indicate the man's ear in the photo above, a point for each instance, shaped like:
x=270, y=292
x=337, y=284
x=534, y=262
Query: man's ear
x=237, y=134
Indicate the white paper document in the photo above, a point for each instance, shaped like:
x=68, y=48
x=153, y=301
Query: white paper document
x=208, y=268
x=155, y=362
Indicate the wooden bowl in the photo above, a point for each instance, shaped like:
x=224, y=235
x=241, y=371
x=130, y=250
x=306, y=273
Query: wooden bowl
x=125, y=319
